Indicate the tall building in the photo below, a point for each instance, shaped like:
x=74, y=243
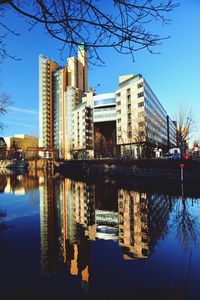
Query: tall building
x=59, y=89
x=75, y=123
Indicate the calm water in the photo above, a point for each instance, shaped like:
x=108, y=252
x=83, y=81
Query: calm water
x=72, y=239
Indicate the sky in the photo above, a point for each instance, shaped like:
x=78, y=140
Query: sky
x=173, y=75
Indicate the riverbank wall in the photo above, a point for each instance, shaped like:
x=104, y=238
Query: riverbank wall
x=149, y=168
x=32, y=164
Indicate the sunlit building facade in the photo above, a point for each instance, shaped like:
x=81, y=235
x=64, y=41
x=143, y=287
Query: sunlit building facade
x=121, y=123
x=75, y=123
x=141, y=117
x=60, y=88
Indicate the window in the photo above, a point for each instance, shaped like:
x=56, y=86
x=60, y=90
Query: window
x=140, y=104
x=140, y=95
x=140, y=85
x=104, y=101
x=141, y=124
x=118, y=120
x=119, y=111
x=118, y=94
x=140, y=114
x=118, y=103
x=128, y=91
x=129, y=135
x=129, y=98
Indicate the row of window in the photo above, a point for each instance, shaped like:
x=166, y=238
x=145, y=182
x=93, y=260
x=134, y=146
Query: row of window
x=104, y=101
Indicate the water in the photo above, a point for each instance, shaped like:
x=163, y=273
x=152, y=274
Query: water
x=64, y=238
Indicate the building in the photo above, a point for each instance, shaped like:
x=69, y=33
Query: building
x=130, y=122
x=3, y=148
x=60, y=88
x=75, y=123
x=82, y=129
x=23, y=142
x=142, y=122
x=104, y=119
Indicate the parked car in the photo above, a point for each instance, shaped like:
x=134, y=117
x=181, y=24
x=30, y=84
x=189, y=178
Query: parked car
x=172, y=156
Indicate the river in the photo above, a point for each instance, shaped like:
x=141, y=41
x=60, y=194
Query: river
x=63, y=238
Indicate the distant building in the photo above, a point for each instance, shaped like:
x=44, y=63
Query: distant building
x=22, y=142
x=3, y=147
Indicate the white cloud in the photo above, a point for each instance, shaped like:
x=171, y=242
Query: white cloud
x=19, y=124
x=23, y=110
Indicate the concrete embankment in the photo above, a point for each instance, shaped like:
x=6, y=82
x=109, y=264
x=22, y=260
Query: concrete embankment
x=149, y=168
x=32, y=164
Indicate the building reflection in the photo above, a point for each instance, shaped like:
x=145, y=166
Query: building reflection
x=73, y=214
x=18, y=184
x=142, y=222
x=80, y=203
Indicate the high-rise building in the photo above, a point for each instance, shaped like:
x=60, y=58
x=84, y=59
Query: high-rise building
x=75, y=123
x=59, y=89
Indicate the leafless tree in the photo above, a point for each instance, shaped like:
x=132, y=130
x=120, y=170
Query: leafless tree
x=119, y=24
x=4, y=104
x=147, y=134
x=186, y=224
x=186, y=126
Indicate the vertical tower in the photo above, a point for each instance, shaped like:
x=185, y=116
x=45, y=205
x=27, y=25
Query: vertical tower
x=46, y=69
x=56, y=100
x=82, y=57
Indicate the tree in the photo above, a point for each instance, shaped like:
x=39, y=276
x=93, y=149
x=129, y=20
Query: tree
x=185, y=125
x=185, y=223
x=4, y=103
x=147, y=134
x=120, y=24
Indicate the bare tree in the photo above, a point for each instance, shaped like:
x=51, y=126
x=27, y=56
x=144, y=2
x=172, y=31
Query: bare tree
x=119, y=24
x=147, y=134
x=185, y=223
x=186, y=126
x=4, y=104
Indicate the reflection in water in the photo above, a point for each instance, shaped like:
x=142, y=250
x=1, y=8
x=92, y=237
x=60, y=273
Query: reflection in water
x=72, y=216
x=19, y=184
x=186, y=223
x=78, y=219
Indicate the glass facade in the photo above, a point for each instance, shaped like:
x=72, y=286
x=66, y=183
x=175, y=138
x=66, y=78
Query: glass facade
x=104, y=102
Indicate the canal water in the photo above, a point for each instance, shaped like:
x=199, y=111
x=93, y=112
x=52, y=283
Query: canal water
x=63, y=238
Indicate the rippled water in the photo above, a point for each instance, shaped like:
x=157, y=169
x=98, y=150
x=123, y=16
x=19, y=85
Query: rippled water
x=64, y=238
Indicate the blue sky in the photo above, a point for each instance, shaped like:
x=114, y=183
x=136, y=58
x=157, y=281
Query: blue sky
x=174, y=75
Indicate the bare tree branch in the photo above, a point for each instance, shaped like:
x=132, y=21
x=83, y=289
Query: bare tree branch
x=4, y=104
x=121, y=24
x=186, y=126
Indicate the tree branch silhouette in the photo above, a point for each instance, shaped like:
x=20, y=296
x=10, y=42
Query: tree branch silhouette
x=121, y=24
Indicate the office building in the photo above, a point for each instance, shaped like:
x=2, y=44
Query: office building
x=60, y=88
x=142, y=122
x=75, y=123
